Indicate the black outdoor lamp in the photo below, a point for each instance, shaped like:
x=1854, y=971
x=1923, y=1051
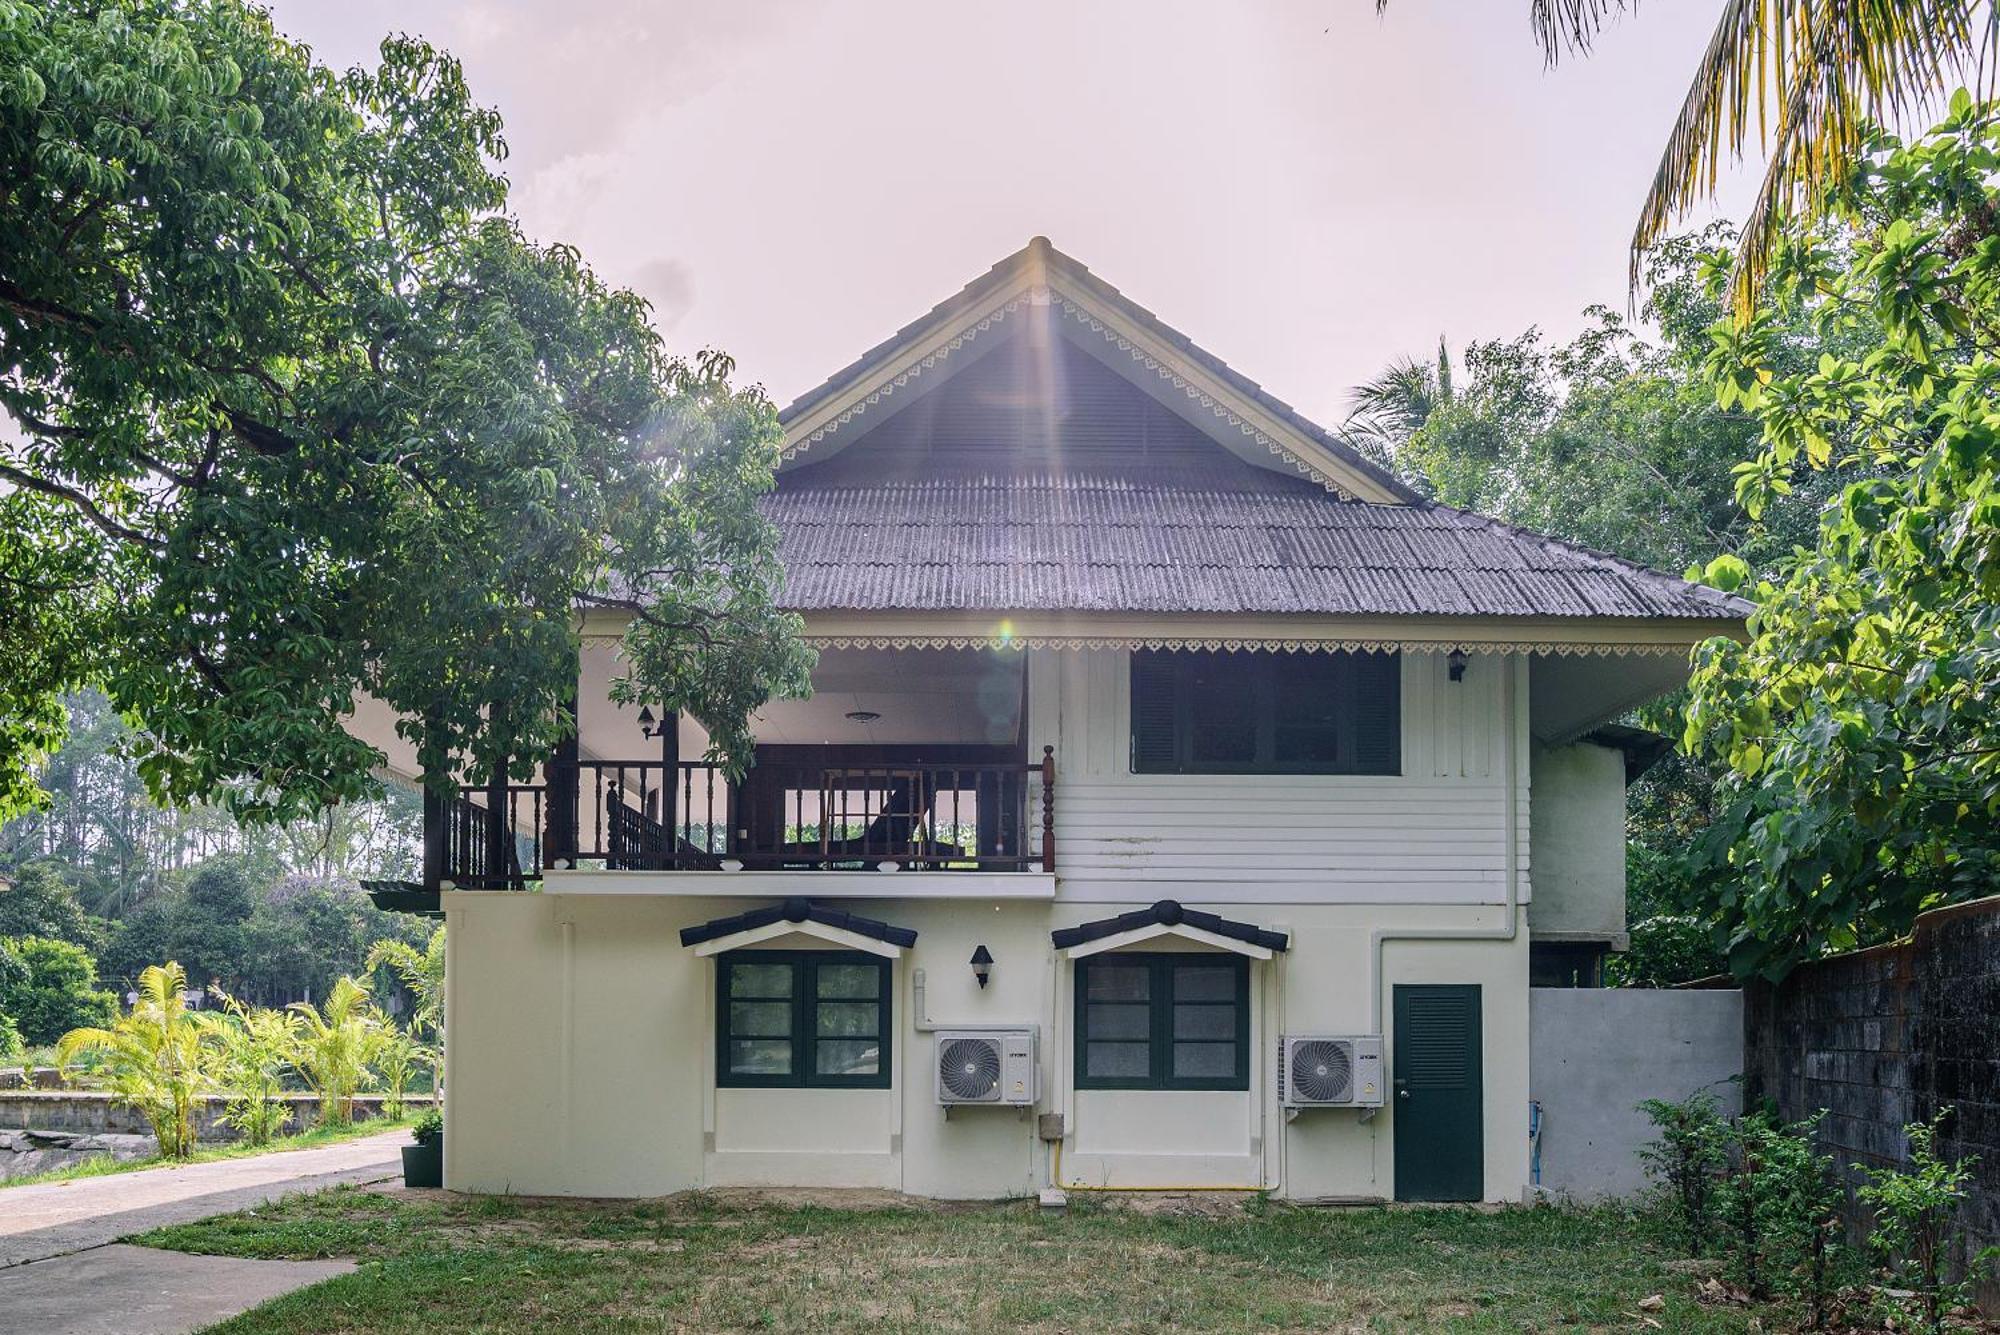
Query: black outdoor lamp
x=982, y=964
x=649, y=725
x=1456, y=664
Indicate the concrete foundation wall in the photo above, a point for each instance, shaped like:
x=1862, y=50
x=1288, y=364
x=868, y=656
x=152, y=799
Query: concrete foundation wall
x=1598, y=1052
x=582, y=1052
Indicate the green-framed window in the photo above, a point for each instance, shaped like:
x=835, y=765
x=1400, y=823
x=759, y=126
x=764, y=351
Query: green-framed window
x=791, y=1018
x=1162, y=1021
x=1215, y=712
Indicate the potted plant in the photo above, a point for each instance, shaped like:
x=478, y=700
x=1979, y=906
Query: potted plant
x=423, y=1162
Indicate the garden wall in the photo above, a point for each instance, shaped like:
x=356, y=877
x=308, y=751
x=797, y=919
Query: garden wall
x=1596, y=1053
x=90, y=1113
x=1884, y=1037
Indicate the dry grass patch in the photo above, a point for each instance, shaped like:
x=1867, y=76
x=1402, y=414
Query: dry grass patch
x=780, y=1261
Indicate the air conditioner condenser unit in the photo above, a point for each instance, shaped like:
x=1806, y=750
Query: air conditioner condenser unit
x=1330, y=1071
x=993, y=1067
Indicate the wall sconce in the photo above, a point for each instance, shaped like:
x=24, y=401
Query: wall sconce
x=649, y=725
x=1456, y=662
x=982, y=964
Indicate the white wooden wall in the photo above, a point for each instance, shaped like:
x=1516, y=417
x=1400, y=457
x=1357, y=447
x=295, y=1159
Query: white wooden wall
x=1436, y=834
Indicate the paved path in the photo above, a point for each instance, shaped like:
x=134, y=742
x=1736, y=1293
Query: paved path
x=121, y=1290
x=58, y=1218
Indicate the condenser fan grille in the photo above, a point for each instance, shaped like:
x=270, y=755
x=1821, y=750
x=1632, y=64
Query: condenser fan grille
x=969, y=1068
x=1322, y=1071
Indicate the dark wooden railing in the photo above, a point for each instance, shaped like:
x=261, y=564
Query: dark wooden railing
x=662, y=815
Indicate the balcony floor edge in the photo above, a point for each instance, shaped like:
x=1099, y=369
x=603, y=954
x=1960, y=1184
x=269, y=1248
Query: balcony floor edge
x=813, y=885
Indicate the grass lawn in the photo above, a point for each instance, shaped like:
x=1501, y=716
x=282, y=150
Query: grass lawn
x=432, y=1262
x=105, y=1165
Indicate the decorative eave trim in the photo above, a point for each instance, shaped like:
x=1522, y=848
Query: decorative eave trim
x=1242, y=632
x=908, y=374
x=1204, y=398
x=1209, y=398
x=1088, y=642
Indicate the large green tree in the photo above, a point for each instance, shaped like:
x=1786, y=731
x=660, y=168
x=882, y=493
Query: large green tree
x=1860, y=723
x=293, y=411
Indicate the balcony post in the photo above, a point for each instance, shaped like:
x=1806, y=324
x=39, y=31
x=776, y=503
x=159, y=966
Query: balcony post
x=436, y=811
x=670, y=784
x=1048, y=808
x=560, y=821
x=499, y=829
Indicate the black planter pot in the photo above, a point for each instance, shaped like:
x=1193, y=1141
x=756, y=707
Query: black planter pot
x=423, y=1165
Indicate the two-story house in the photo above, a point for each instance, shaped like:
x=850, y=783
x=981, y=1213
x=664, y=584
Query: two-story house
x=1230, y=788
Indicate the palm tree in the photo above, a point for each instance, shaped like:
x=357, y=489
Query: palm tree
x=253, y=1050
x=1385, y=412
x=156, y=1058
x=1802, y=79
x=420, y=971
x=334, y=1045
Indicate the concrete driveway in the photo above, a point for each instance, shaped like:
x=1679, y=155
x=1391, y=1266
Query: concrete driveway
x=60, y=1272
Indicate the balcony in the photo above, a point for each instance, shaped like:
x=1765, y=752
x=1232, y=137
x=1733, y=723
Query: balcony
x=803, y=809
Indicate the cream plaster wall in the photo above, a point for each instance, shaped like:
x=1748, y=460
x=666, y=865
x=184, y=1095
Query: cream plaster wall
x=582, y=1038
x=1578, y=829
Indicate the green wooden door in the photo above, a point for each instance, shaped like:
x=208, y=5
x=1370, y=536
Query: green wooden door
x=1438, y=1124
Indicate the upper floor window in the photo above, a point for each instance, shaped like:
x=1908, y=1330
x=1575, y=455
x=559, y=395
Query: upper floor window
x=1246, y=712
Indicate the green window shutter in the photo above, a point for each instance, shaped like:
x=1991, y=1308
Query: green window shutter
x=1154, y=717
x=1378, y=713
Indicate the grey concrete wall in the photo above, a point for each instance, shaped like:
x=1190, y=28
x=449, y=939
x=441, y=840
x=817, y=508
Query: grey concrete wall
x=1596, y=1053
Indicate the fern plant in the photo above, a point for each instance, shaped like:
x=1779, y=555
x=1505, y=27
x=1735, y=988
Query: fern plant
x=334, y=1046
x=156, y=1059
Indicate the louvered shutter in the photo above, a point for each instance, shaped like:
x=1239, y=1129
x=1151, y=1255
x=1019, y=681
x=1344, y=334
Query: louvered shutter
x=1153, y=715
x=1378, y=713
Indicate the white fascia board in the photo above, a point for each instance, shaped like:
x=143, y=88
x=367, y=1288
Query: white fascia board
x=987, y=886
x=838, y=936
x=1152, y=930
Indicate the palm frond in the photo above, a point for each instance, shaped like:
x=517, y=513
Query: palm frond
x=1569, y=26
x=1804, y=79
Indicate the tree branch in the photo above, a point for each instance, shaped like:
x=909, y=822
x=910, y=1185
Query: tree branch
x=84, y=506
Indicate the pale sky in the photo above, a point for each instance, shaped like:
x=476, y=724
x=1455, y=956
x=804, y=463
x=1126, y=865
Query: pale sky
x=1303, y=189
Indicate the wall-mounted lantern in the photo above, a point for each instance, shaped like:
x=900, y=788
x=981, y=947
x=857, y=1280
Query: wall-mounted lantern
x=649, y=725
x=982, y=964
x=1456, y=664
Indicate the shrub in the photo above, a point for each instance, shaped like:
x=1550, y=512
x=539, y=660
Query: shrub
x=397, y=1061
x=1685, y=1160
x=55, y=991
x=253, y=1049
x=155, y=1059
x=429, y=1128
x=1916, y=1211
x=333, y=1047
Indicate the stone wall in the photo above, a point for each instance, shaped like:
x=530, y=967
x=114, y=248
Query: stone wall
x=90, y=1113
x=1885, y=1037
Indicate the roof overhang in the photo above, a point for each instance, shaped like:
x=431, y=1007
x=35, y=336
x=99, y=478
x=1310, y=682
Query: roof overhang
x=799, y=917
x=1168, y=918
x=1134, y=630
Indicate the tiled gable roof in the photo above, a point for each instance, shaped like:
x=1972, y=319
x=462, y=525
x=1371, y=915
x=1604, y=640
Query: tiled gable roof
x=1190, y=542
